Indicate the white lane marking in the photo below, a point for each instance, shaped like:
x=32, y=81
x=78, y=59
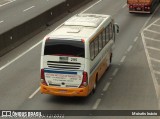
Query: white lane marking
x=156, y=72
x=152, y=48
x=1, y=22
x=156, y=25
x=155, y=83
x=124, y=6
x=90, y=6
x=106, y=87
x=152, y=39
x=28, y=8
x=156, y=60
x=152, y=31
x=115, y=72
x=148, y=20
x=7, y=3
x=156, y=22
x=96, y=104
x=135, y=40
x=33, y=94
x=156, y=19
x=129, y=48
x=123, y=58
x=152, y=24
x=1, y=68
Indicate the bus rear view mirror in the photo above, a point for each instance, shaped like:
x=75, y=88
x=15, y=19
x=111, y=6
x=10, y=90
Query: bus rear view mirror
x=116, y=27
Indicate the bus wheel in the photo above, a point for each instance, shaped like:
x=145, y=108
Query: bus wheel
x=95, y=85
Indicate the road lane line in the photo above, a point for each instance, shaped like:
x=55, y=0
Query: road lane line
x=152, y=39
x=155, y=83
x=96, y=104
x=7, y=3
x=123, y=58
x=135, y=40
x=152, y=48
x=115, y=72
x=124, y=6
x=156, y=60
x=129, y=48
x=156, y=21
x=152, y=31
x=1, y=22
x=90, y=6
x=1, y=68
x=28, y=8
x=156, y=25
x=106, y=87
x=33, y=94
x=148, y=27
x=156, y=72
x=152, y=24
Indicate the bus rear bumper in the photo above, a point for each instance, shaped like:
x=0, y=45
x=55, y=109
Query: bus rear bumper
x=134, y=11
x=58, y=91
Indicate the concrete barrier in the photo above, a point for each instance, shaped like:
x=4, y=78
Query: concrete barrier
x=19, y=34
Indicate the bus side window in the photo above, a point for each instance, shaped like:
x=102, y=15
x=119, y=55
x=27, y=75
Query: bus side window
x=100, y=42
x=92, y=53
x=107, y=34
x=96, y=48
x=110, y=31
x=104, y=38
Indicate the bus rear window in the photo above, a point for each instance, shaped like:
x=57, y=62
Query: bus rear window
x=64, y=47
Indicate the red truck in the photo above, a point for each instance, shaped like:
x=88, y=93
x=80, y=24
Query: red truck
x=142, y=6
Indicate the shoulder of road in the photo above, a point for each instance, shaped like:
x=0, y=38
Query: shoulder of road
x=151, y=38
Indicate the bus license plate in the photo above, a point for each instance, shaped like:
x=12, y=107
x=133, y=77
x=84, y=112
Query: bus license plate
x=138, y=8
x=63, y=58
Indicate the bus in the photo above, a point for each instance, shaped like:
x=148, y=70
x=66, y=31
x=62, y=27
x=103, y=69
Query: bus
x=76, y=54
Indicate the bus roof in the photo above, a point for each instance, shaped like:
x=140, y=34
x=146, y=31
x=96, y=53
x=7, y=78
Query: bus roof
x=80, y=26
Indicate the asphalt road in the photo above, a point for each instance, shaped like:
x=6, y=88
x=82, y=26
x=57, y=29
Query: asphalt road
x=127, y=84
x=16, y=12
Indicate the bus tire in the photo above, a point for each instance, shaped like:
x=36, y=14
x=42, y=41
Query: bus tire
x=95, y=84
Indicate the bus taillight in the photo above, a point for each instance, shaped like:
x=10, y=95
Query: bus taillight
x=84, y=80
x=83, y=40
x=47, y=38
x=130, y=6
x=147, y=8
x=43, y=78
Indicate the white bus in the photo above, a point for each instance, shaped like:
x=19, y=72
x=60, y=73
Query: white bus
x=76, y=54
